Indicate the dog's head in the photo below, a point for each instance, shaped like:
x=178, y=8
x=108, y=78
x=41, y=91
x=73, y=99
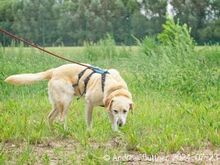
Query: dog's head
x=119, y=107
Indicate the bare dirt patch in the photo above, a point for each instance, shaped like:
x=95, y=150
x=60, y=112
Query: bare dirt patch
x=60, y=151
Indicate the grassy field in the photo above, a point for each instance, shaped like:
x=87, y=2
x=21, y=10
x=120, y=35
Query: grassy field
x=177, y=108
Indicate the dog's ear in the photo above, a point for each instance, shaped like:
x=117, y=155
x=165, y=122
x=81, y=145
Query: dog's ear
x=108, y=103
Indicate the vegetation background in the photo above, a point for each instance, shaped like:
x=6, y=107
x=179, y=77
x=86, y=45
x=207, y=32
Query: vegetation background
x=72, y=22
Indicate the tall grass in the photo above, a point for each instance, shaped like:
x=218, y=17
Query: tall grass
x=171, y=63
x=105, y=49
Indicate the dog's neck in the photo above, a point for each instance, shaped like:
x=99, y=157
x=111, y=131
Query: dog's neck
x=114, y=88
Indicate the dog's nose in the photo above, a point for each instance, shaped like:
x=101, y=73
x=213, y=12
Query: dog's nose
x=119, y=122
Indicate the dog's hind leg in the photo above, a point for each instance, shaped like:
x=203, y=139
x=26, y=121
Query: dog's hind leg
x=57, y=108
x=60, y=95
x=89, y=111
x=52, y=115
x=63, y=115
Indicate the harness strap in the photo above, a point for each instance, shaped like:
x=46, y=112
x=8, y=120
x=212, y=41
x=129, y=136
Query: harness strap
x=103, y=80
x=86, y=82
x=79, y=77
x=81, y=73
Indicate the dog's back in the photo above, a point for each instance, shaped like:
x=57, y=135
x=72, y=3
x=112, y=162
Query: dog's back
x=116, y=75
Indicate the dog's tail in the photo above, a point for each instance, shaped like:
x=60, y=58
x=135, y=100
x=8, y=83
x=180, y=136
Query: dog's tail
x=30, y=78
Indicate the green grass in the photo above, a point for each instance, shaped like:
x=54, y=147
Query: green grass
x=177, y=108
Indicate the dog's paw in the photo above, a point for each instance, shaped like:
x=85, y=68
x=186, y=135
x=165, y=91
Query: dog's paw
x=115, y=128
x=89, y=132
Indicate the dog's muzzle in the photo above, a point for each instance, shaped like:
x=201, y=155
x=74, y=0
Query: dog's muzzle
x=119, y=122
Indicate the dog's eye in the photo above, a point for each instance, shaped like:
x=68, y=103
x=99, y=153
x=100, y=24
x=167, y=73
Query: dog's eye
x=124, y=111
x=115, y=111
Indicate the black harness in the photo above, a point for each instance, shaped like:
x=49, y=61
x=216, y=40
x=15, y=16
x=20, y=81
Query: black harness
x=86, y=80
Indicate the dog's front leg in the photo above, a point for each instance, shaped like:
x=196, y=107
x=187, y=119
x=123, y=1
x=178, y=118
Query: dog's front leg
x=113, y=121
x=89, y=110
x=114, y=126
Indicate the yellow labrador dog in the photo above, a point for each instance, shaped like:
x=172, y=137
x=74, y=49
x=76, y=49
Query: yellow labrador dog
x=100, y=88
